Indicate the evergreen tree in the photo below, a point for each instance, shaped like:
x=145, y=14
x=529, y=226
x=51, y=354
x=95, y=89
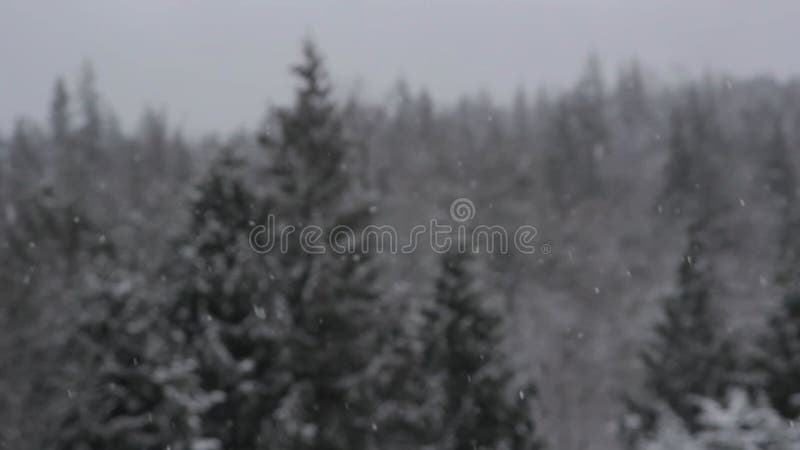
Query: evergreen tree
x=334, y=339
x=59, y=113
x=738, y=422
x=778, y=356
x=24, y=158
x=222, y=319
x=522, y=122
x=780, y=181
x=690, y=356
x=121, y=393
x=84, y=163
x=480, y=407
x=778, y=171
x=578, y=136
x=631, y=94
x=68, y=158
x=89, y=102
x=693, y=183
x=53, y=251
x=194, y=371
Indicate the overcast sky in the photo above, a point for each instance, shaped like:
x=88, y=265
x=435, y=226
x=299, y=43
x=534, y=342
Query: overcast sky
x=215, y=64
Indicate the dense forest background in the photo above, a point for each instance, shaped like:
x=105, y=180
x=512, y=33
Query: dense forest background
x=135, y=315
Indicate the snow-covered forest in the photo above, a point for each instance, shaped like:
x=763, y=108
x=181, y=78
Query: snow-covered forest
x=664, y=315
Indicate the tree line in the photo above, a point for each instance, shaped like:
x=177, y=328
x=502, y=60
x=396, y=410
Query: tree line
x=135, y=315
x=217, y=346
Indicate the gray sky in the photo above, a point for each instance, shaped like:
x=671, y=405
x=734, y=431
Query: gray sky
x=214, y=65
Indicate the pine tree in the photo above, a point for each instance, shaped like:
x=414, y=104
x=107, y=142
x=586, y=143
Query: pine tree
x=778, y=173
x=154, y=132
x=197, y=369
x=222, y=318
x=83, y=163
x=24, y=158
x=49, y=246
x=522, y=123
x=778, y=356
x=60, y=126
x=68, y=158
x=631, y=94
x=81, y=338
x=334, y=338
x=89, y=102
x=690, y=356
x=480, y=407
x=780, y=181
x=693, y=183
x=578, y=137
x=121, y=393
x=738, y=422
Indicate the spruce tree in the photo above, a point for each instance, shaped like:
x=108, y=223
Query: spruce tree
x=194, y=365
x=691, y=356
x=778, y=173
x=780, y=180
x=52, y=250
x=120, y=394
x=24, y=159
x=90, y=107
x=631, y=94
x=60, y=126
x=693, y=183
x=778, y=356
x=334, y=339
x=578, y=136
x=221, y=317
x=481, y=408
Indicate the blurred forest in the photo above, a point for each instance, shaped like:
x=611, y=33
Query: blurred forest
x=136, y=316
